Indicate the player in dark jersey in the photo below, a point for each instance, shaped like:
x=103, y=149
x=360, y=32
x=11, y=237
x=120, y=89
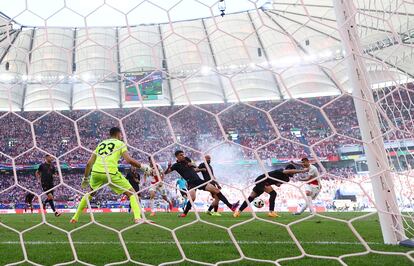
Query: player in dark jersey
x=134, y=179
x=206, y=176
x=194, y=182
x=264, y=184
x=45, y=174
x=28, y=199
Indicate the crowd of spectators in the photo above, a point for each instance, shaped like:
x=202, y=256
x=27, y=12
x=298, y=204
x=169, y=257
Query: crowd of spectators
x=236, y=181
x=67, y=188
x=397, y=106
x=275, y=129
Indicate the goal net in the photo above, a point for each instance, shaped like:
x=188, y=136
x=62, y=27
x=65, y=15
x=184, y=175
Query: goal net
x=254, y=84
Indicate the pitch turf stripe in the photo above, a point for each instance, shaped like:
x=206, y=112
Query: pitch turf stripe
x=183, y=242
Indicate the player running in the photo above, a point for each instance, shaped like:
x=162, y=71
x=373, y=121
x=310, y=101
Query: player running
x=313, y=185
x=102, y=164
x=181, y=186
x=206, y=176
x=157, y=176
x=45, y=174
x=189, y=173
x=264, y=184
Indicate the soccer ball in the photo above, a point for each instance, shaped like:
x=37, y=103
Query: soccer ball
x=259, y=203
x=146, y=169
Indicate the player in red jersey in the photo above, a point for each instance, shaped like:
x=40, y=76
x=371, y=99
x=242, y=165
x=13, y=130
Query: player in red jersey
x=156, y=177
x=313, y=185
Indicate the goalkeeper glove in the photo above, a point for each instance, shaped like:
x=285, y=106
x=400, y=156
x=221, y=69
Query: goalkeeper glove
x=85, y=182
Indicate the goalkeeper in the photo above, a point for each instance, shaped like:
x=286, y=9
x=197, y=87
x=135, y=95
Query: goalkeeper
x=103, y=163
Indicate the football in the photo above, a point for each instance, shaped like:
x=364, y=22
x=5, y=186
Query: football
x=146, y=169
x=258, y=203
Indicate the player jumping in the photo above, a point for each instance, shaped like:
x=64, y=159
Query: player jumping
x=45, y=174
x=189, y=173
x=264, y=184
x=157, y=186
x=313, y=185
x=109, y=152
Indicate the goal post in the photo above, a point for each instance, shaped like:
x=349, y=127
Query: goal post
x=379, y=169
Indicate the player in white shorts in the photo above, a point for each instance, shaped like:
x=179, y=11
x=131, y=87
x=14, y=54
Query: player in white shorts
x=313, y=186
x=157, y=186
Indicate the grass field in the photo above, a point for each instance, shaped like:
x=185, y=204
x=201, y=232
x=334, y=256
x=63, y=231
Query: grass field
x=205, y=241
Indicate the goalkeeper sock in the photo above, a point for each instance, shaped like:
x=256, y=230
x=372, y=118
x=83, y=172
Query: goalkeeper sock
x=224, y=200
x=244, y=205
x=135, y=207
x=272, y=200
x=82, y=205
x=210, y=208
x=216, y=208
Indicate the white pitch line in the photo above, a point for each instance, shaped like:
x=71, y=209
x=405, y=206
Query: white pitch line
x=183, y=242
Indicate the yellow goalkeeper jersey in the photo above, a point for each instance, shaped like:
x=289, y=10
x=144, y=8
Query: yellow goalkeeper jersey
x=108, y=154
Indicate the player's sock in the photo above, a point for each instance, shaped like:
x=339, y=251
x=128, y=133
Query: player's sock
x=45, y=204
x=224, y=200
x=244, y=205
x=216, y=208
x=187, y=207
x=210, y=208
x=52, y=205
x=184, y=203
x=135, y=207
x=310, y=204
x=170, y=205
x=82, y=205
x=303, y=208
x=272, y=200
x=152, y=205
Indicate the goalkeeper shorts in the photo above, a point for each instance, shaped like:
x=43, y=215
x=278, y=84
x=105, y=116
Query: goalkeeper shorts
x=119, y=184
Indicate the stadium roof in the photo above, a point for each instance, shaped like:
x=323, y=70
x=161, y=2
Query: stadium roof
x=262, y=51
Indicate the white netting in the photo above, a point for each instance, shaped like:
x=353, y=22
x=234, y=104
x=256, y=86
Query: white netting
x=255, y=89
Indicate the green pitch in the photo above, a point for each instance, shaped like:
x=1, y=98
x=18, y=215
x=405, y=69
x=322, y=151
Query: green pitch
x=205, y=241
